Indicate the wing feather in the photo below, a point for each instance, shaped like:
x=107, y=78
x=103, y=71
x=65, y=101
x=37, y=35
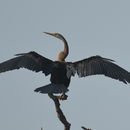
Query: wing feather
x=32, y=61
x=99, y=65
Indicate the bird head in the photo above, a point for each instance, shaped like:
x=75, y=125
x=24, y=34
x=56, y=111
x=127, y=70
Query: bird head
x=57, y=35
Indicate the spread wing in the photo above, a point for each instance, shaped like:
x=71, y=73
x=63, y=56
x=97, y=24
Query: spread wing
x=98, y=65
x=32, y=61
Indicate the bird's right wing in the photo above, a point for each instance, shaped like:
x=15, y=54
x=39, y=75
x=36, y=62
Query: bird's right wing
x=32, y=61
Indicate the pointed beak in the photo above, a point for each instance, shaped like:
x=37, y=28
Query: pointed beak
x=52, y=34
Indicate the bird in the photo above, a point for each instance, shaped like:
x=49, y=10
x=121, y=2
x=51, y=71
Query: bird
x=61, y=71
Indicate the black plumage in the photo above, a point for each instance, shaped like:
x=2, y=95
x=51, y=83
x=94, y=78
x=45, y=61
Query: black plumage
x=62, y=71
x=32, y=61
x=99, y=65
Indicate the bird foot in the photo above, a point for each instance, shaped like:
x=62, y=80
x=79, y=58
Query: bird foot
x=62, y=97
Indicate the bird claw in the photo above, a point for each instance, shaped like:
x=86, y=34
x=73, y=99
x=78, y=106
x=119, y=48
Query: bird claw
x=63, y=97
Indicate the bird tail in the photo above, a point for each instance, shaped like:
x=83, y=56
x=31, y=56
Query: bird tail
x=52, y=88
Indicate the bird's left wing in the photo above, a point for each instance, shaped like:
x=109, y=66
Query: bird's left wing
x=98, y=65
x=32, y=61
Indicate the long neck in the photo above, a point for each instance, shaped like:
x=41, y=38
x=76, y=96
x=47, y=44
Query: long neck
x=63, y=54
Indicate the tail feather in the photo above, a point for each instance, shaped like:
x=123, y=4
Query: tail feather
x=52, y=88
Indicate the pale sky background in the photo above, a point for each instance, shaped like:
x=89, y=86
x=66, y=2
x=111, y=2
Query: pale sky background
x=91, y=27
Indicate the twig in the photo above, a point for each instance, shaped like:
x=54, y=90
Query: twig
x=85, y=128
x=60, y=114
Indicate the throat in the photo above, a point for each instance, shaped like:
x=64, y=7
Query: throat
x=62, y=55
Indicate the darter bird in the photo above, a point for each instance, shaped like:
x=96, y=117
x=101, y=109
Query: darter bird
x=62, y=71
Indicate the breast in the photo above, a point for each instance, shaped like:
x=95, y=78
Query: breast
x=59, y=74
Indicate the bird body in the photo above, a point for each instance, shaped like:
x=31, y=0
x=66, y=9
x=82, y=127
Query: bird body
x=57, y=74
x=62, y=71
x=59, y=80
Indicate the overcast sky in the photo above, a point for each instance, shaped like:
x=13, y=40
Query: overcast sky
x=91, y=27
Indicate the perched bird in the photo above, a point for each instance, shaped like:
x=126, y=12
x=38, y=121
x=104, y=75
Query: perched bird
x=62, y=71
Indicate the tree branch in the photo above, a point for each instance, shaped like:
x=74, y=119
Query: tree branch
x=85, y=128
x=60, y=114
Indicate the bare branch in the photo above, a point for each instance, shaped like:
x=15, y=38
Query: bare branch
x=60, y=114
x=85, y=128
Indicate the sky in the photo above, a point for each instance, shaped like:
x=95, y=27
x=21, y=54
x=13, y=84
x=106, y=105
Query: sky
x=91, y=27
